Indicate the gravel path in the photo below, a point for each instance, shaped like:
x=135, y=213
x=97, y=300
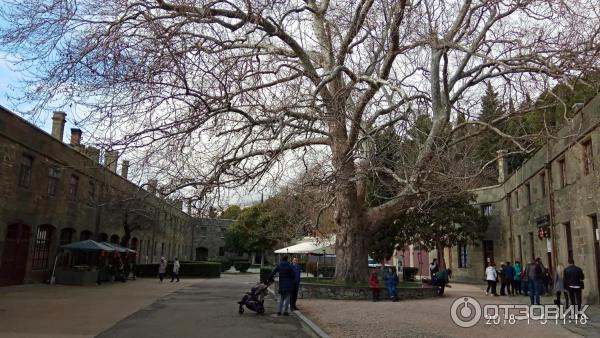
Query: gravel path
x=418, y=318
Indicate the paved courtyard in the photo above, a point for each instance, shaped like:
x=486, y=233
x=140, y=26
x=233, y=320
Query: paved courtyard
x=424, y=318
x=207, y=308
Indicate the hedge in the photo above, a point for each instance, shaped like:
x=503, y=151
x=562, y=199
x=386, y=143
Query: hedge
x=241, y=266
x=409, y=273
x=265, y=272
x=194, y=269
x=226, y=263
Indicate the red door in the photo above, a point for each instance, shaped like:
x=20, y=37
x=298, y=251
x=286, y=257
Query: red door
x=14, y=255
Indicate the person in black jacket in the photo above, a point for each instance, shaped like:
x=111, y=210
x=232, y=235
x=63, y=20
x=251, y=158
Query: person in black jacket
x=573, y=281
x=286, y=283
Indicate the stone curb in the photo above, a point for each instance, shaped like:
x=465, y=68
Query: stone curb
x=314, y=327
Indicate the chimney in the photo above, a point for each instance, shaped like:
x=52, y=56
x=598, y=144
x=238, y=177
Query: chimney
x=75, y=137
x=58, y=125
x=502, y=165
x=110, y=160
x=92, y=153
x=152, y=184
x=124, y=169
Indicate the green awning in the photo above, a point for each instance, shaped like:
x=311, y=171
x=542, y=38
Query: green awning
x=119, y=248
x=87, y=245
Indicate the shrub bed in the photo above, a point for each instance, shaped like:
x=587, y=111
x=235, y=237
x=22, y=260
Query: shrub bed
x=191, y=269
x=241, y=266
x=409, y=273
x=226, y=263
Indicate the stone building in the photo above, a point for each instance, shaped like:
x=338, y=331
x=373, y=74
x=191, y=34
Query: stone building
x=52, y=193
x=548, y=208
x=209, y=237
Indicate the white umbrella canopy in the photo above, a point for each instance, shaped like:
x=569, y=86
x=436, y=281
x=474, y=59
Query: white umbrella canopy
x=311, y=245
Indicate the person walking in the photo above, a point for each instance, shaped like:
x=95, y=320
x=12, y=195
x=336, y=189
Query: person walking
x=534, y=276
x=374, y=285
x=162, y=268
x=509, y=275
x=175, y=273
x=391, y=282
x=433, y=269
x=286, y=284
x=573, y=282
x=442, y=279
x=297, y=272
x=559, y=285
x=517, y=277
x=491, y=276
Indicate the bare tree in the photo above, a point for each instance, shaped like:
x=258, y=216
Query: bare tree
x=220, y=93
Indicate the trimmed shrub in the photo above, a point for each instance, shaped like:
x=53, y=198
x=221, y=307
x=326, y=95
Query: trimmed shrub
x=226, y=263
x=265, y=272
x=241, y=266
x=193, y=269
x=409, y=273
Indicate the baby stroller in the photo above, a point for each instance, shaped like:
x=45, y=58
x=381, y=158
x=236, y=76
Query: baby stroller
x=255, y=299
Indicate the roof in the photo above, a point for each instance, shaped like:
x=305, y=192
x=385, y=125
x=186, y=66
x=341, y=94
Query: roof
x=117, y=247
x=87, y=245
x=310, y=245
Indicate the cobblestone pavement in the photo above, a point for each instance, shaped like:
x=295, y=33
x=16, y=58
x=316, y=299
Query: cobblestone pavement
x=431, y=318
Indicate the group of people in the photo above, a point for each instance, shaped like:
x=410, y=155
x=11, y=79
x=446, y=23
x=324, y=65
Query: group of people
x=289, y=284
x=534, y=280
x=162, y=269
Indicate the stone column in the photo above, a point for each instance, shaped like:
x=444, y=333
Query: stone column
x=502, y=165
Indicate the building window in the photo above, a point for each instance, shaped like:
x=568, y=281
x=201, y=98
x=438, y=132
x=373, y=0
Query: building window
x=588, y=163
x=41, y=249
x=25, y=171
x=53, y=180
x=486, y=209
x=203, y=231
x=517, y=199
x=221, y=251
x=531, y=246
x=562, y=171
x=528, y=193
x=462, y=256
x=66, y=236
x=569, y=237
x=543, y=184
x=73, y=185
x=92, y=193
x=85, y=235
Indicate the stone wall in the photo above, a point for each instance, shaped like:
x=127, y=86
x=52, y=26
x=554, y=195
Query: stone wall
x=324, y=291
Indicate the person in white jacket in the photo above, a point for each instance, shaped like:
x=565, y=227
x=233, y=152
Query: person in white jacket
x=175, y=273
x=491, y=275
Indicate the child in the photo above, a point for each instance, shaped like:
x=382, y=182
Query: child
x=374, y=285
x=391, y=282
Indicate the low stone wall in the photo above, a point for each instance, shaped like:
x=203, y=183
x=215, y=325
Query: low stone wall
x=325, y=291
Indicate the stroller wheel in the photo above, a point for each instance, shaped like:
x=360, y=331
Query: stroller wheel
x=241, y=310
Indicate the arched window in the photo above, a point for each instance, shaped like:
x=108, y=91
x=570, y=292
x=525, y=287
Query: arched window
x=66, y=236
x=85, y=235
x=41, y=250
x=102, y=237
x=134, y=243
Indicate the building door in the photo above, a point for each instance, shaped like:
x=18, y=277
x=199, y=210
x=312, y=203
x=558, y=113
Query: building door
x=596, y=236
x=488, y=252
x=14, y=255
